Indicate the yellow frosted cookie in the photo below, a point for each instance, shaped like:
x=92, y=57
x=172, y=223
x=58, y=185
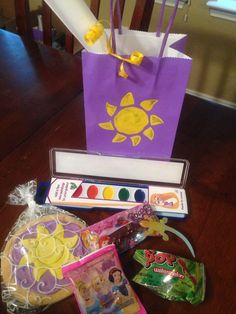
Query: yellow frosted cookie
x=33, y=256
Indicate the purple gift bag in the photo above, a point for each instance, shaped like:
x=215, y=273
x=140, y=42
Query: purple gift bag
x=137, y=115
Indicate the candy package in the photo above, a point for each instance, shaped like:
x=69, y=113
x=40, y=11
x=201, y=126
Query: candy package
x=171, y=277
x=40, y=242
x=100, y=285
x=126, y=229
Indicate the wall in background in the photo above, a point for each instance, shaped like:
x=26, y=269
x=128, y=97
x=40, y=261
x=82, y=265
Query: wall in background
x=211, y=44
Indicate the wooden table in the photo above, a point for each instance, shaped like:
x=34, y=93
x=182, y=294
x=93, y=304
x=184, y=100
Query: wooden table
x=41, y=107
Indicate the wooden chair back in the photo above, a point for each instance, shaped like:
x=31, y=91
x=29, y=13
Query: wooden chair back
x=140, y=19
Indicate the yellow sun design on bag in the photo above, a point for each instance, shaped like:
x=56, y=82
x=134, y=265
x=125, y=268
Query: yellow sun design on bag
x=131, y=121
x=48, y=252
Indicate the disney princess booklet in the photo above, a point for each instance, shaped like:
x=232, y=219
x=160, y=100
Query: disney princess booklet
x=100, y=285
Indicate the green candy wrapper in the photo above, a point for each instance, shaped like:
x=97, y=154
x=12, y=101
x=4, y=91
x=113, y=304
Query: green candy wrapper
x=171, y=277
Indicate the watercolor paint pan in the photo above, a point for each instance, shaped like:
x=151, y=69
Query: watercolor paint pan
x=88, y=180
x=112, y=192
x=66, y=192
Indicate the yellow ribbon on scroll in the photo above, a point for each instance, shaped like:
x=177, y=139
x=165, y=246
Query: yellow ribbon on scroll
x=94, y=33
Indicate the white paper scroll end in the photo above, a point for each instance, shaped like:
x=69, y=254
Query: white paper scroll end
x=78, y=18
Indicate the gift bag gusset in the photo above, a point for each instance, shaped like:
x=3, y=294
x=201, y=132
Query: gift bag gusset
x=135, y=113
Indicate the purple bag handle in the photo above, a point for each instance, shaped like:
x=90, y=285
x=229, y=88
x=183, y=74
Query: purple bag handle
x=160, y=20
x=171, y=22
x=112, y=23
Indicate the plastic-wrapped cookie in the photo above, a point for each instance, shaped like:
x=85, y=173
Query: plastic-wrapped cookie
x=32, y=258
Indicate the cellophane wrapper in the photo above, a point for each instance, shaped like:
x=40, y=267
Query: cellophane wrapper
x=42, y=240
x=171, y=277
x=124, y=229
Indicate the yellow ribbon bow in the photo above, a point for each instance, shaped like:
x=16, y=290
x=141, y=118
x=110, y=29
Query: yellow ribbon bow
x=95, y=32
x=135, y=58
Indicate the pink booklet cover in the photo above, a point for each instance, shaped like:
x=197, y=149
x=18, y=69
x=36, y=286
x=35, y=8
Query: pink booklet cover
x=100, y=285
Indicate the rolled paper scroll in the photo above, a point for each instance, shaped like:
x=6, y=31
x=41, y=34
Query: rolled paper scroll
x=79, y=19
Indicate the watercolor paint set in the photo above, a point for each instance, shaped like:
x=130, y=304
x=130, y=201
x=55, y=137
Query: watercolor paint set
x=86, y=180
